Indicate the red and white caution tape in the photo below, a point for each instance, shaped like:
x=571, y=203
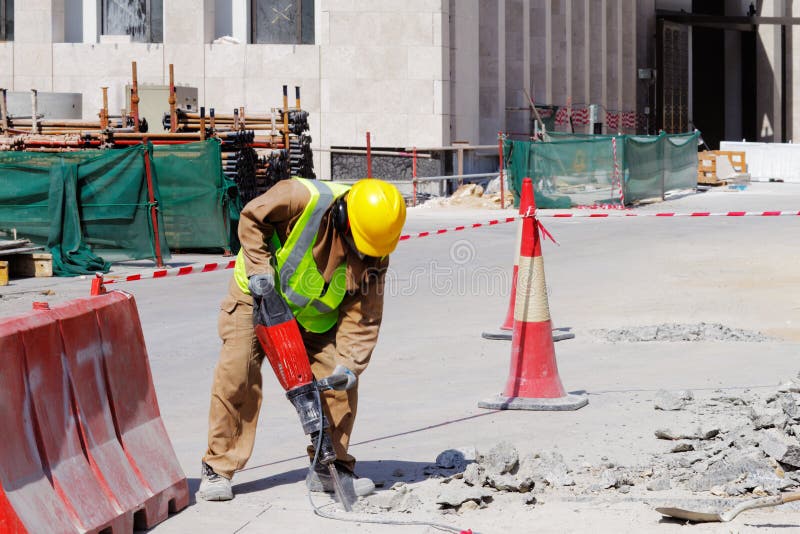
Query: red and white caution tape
x=458, y=228
x=177, y=271
x=673, y=214
x=209, y=267
x=617, y=175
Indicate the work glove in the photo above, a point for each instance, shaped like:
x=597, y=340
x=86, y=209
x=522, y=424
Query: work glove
x=351, y=377
x=260, y=285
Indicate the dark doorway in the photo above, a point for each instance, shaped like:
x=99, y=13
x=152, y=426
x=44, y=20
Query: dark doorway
x=708, y=75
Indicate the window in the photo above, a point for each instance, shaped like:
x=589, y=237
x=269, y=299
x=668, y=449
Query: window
x=143, y=20
x=282, y=21
x=6, y=20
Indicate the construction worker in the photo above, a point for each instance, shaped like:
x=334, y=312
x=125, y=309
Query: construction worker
x=350, y=231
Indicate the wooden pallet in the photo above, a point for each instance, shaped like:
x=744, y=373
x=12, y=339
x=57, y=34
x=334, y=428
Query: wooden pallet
x=21, y=258
x=707, y=166
x=37, y=264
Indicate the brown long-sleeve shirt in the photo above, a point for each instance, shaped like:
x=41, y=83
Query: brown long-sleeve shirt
x=361, y=311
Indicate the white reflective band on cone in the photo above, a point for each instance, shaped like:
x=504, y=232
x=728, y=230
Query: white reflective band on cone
x=531, y=303
x=519, y=242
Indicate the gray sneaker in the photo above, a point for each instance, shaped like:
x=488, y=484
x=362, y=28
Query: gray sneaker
x=213, y=487
x=319, y=480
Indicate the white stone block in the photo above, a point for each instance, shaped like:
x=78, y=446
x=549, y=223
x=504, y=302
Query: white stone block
x=187, y=60
x=428, y=130
x=323, y=29
x=381, y=63
x=418, y=96
x=33, y=59
x=404, y=6
x=428, y=63
x=287, y=61
x=339, y=62
x=353, y=28
x=349, y=96
x=31, y=24
x=386, y=130
x=224, y=93
x=184, y=22
x=339, y=129
x=109, y=60
x=441, y=98
x=26, y=83
x=225, y=60
x=407, y=28
x=6, y=64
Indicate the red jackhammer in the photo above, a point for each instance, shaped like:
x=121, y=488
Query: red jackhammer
x=279, y=336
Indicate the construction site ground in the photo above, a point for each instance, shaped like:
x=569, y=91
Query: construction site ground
x=431, y=367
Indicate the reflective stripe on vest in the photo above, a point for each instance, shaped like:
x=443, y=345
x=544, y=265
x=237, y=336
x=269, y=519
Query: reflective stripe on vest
x=313, y=303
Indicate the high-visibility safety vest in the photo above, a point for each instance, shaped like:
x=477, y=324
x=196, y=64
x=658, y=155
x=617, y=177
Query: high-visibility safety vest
x=314, y=303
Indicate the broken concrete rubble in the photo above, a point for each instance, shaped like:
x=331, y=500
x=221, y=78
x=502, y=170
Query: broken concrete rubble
x=502, y=458
x=726, y=445
x=668, y=401
x=454, y=496
x=698, y=433
x=780, y=447
x=676, y=332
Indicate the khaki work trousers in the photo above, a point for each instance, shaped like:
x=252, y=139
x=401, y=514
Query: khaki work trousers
x=236, y=390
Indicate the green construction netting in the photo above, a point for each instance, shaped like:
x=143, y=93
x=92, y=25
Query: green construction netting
x=195, y=195
x=92, y=207
x=87, y=207
x=573, y=170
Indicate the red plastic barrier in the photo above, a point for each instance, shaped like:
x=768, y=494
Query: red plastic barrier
x=73, y=478
x=28, y=502
x=84, y=448
x=84, y=362
x=134, y=404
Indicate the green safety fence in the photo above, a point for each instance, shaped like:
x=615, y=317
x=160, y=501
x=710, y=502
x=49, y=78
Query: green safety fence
x=92, y=207
x=88, y=207
x=196, y=198
x=572, y=170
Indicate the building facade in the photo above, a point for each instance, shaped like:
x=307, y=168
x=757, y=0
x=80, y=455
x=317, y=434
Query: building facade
x=412, y=72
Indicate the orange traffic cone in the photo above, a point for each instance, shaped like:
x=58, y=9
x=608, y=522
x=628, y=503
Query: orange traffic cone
x=533, y=381
x=526, y=202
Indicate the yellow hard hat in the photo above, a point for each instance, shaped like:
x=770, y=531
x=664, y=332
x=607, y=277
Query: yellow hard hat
x=376, y=211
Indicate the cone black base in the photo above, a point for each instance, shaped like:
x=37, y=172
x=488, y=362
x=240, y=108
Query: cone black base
x=506, y=336
x=559, y=404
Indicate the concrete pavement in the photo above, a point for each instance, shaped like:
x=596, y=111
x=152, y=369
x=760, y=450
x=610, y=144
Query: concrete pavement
x=420, y=393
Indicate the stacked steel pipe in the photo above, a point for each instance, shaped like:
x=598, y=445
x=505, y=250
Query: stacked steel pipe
x=257, y=150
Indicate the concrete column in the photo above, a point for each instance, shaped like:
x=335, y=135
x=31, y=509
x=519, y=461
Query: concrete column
x=604, y=27
x=185, y=21
x=501, y=63
x=620, y=66
x=526, y=45
x=34, y=34
x=241, y=20
x=793, y=112
x=548, y=52
x=568, y=34
x=91, y=21
x=589, y=21
x=465, y=67
x=769, y=124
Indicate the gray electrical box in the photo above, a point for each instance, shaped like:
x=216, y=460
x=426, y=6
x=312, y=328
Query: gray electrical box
x=154, y=102
x=50, y=105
